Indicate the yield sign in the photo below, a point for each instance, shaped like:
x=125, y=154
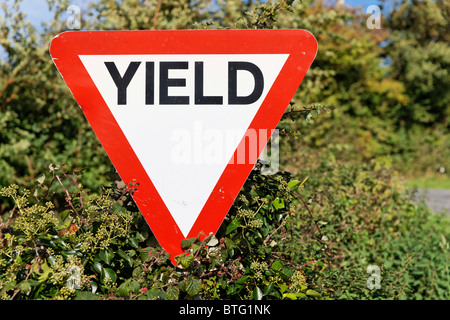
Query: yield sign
x=173, y=110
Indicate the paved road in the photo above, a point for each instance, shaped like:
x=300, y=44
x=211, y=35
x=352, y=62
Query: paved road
x=436, y=199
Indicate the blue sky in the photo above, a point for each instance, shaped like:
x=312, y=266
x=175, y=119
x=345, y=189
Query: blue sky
x=37, y=10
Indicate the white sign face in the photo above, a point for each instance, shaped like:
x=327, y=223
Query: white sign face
x=184, y=115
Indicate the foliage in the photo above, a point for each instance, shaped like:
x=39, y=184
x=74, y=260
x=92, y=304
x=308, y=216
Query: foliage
x=40, y=122
x=419, y=50
x=368, y=219
x=283, y=239
x=100, y=247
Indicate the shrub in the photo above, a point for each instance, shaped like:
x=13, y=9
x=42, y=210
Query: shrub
x=284, y=238
x=367, y=217
x=99, y=246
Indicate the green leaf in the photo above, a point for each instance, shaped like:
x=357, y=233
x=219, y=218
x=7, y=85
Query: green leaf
x=97, y=266
x=290, y=296
x=187, y=243
x=129, y=286
x=133, y=242
x=313, y=293
x=257, y=294
x=65, y=219
x=125, y=256
x=106, y=255
x=137, y=272
x=184, y=261
x=293, y=184
x=25, y=286
x=287, y=272
x=233, y=226
x=230, y=244
x=153, y=294
x=277, y=265
x=144, y=253
x=182, y=285
x=268, y=288
x=283, y=287
x=173, y=293
x=134, y=286
x=47, y=271
x=124, y=289
x=278, y=203
x=108, y=274
x=242, y=280
x=193, y=286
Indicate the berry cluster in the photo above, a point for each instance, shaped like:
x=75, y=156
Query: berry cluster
x=6, y=230
x=40, y=251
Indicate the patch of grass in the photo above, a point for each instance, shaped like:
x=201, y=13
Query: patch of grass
x=429, y=181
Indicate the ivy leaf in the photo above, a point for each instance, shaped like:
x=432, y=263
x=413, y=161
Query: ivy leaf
x=46, y=271
x=269, y=288
x=193, y=286
x=233, y=226
x=97, y=266
x=133, y=242
x=242, y=280
x=257, y=294
x=125, y=256
x=313, y=293
x=290, y=296
x=108, y=273
x=283, y=287
x=278, y=203
x=106, y=256
x=277, y=265
x=293, y=184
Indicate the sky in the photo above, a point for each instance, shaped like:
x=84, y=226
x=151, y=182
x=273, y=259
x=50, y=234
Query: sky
x=37, y=10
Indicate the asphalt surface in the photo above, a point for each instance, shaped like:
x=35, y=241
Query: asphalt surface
x=437, y=199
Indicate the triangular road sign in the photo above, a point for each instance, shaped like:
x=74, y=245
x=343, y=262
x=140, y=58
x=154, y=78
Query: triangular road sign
x=174, y=109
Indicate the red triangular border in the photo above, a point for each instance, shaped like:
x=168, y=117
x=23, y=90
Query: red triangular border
x=65, y=48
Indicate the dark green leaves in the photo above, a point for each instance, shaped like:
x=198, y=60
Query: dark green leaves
x=108, y=275
x=193, y=286
x=106, y=255
x=233, y=226
x=184, y=260
x=128, y=287
x=187, y=243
